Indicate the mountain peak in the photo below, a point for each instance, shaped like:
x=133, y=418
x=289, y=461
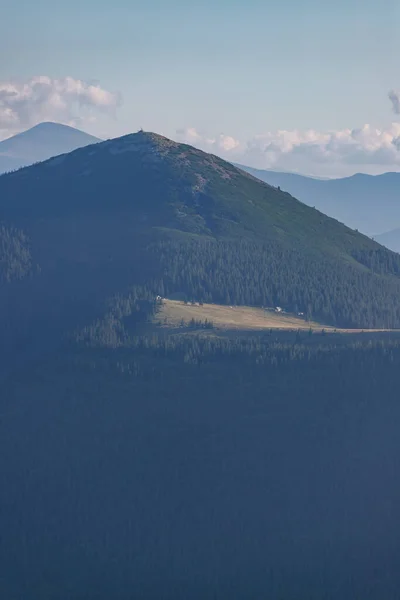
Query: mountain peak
x=51, y=125
x=41, y=142
x=143, y=139
x=50, y=129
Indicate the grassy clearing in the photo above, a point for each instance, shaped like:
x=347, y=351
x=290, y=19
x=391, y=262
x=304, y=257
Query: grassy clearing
x=171, y=313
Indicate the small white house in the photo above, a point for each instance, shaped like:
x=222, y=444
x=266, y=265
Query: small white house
x=278, y=309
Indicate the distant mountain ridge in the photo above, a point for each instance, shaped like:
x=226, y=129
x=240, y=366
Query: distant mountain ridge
x=370, y=203
x=390, y=239
x=40, y=143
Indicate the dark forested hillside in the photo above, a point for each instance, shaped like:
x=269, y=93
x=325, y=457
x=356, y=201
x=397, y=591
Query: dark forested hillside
x=15, y=255
x=141, y=461
x=196, y=467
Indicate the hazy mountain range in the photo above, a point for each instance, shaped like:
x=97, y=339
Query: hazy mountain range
x=40, y=143
x=390, y=239
x=370, y=203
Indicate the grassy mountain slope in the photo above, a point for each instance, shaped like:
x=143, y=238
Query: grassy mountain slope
x=171, y=185
x=367, y=202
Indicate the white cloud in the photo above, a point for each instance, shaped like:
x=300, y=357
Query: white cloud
x=324, y=154
x=218, y=144
x=332, y=153
x=42, y=98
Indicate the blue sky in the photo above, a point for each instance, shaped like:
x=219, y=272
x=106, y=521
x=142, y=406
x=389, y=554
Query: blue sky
x=240, y=69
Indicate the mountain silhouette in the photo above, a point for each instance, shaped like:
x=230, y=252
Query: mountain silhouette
x=40, y=143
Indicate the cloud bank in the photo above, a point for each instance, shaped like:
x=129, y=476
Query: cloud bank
x=323, y=154
x=333, y=153
x=42, y=98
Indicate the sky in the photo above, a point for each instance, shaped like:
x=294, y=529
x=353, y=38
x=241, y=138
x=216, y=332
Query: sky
x=309, y=86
